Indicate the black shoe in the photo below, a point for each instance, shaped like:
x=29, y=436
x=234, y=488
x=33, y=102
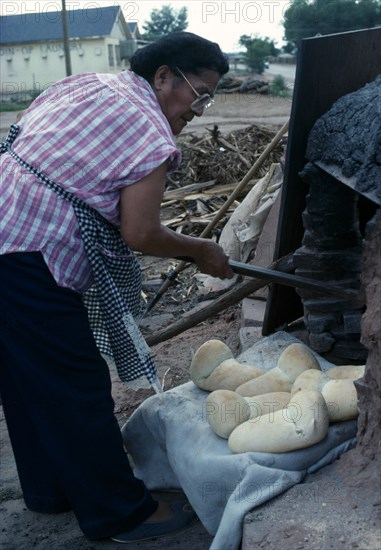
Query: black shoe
x=183, y=517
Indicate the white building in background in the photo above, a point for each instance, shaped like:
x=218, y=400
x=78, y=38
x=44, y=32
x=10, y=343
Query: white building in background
x=32, y=52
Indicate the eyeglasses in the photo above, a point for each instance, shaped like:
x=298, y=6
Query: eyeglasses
x=203, y=101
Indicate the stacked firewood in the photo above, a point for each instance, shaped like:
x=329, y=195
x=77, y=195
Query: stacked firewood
x=211, y=167
x=233, y=84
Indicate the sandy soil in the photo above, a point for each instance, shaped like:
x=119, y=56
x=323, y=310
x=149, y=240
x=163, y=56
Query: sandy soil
x=353, y=520
x=235, y=111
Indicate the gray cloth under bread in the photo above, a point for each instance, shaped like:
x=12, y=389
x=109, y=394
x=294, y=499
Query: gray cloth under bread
x=173, y=447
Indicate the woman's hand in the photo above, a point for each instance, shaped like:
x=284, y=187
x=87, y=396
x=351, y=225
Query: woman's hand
x=211, y=259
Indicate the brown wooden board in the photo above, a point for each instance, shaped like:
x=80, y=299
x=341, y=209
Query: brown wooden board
x=328, y=67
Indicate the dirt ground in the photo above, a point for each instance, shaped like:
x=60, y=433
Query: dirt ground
x=352, y=521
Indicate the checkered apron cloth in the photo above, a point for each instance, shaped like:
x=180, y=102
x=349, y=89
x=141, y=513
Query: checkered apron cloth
x=113, y=300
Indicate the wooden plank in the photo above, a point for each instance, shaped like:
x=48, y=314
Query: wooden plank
x=328, y=67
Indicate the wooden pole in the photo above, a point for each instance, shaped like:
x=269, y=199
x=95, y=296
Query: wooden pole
x=66, y=39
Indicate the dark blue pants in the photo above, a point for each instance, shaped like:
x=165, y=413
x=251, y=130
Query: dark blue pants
x=56, y=392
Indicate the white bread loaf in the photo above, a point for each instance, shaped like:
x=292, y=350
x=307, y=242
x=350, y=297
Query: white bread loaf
x=225, y=409
x=295, y=359
x=340, y=394
x=213, y=367
x=346, y=371
x=301, y=424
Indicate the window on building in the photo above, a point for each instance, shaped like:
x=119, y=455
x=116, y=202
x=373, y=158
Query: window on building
x=117, y=56
x=111, y=60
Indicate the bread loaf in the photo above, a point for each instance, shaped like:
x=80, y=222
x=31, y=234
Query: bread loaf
x=213, y=367
x=301, y=424
x=295, y=359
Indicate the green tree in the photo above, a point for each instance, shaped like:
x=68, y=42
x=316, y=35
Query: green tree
x=164, y=21
x=288, y=48
x=258, y=50
x=305, y=18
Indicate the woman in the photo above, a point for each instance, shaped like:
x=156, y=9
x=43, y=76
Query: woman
x=87, y=166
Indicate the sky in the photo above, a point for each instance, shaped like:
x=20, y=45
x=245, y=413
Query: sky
x=222, y=22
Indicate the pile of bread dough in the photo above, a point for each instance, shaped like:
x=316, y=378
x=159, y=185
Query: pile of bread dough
x=286, y=408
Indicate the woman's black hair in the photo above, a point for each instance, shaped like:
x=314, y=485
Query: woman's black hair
x=188, y=51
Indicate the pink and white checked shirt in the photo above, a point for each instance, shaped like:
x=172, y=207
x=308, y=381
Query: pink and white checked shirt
x=92, y=134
